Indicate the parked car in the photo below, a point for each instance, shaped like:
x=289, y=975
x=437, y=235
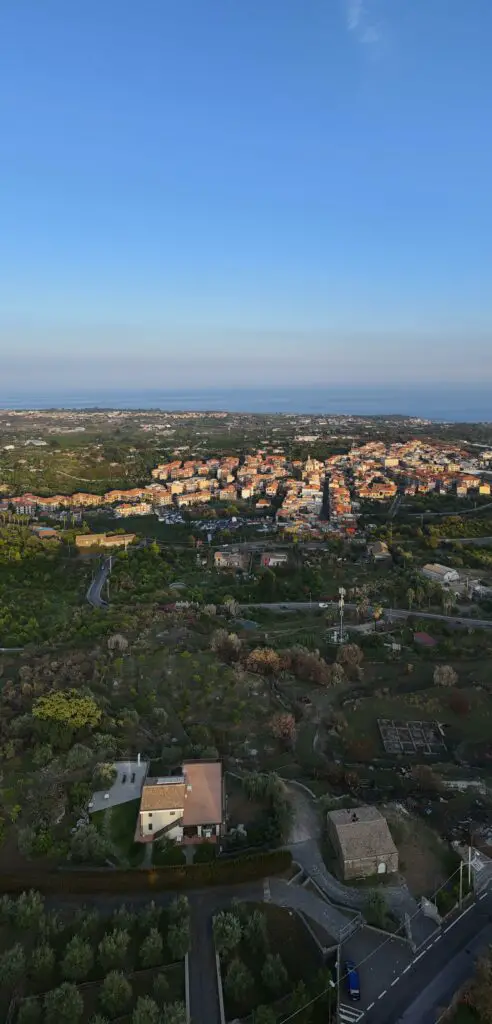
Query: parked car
x=353, y=983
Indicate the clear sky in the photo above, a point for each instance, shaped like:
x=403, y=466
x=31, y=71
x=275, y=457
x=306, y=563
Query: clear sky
x=245, y=191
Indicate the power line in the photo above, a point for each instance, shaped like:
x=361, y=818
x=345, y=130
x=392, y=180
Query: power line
x=368, y=957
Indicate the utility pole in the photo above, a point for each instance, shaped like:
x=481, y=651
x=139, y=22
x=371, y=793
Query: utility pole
x=341, y=606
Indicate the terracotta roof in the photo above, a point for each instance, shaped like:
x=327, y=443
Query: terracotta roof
x=203, y=803
x=162, y=796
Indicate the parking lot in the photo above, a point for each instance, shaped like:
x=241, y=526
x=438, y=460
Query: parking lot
x=127, y=786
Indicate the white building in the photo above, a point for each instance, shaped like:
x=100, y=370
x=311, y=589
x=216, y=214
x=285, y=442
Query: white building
x=440, y=573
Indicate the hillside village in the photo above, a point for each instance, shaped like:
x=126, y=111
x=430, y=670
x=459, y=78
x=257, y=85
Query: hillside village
x=292, y=489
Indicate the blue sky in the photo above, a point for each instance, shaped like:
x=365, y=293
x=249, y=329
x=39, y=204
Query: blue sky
x=245, y=191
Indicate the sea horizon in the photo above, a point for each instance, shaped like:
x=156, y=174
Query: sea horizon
x=439, y=403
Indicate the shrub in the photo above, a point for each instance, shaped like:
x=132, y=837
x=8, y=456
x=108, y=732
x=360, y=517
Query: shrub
x=42, y=962
x=160, y=988
x=459, y=703
x=274, y=974
x=238, y=980
x=146, y=1012
x=12, y=966
x=445, y=675
x=29, y=1011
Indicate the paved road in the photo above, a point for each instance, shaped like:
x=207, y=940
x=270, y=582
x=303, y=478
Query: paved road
x=94, y=592
x=398, y=898
x=428, y=984
x=389, y=613
x=334, y=921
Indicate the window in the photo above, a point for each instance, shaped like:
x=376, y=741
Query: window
x=172, y=814
x=150, y=826
x=123, y=778
x=150, y=814
x=133, y=777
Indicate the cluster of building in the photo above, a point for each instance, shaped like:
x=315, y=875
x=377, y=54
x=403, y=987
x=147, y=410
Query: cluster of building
x=226, y=479
x=373, y=471
x=237, y=558
x=377, y=472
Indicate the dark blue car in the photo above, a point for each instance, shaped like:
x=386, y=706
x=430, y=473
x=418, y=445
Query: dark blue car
x=352, y=976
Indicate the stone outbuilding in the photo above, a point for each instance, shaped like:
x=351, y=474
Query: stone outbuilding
x=362, y=841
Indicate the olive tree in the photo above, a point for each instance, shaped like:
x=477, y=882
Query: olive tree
x=78, y=959
x=151, y=951
x=227, y=932
x=63, y=1005
x=116, y=993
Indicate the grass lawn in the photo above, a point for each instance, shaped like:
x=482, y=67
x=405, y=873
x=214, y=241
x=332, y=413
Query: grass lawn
x=120, y=823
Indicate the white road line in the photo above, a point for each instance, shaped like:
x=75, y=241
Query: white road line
x=347, y=1014
x=439, y=937
x=458, y=918
x=405, y=969
x=419, y=957
x=484, y=894
x=370, y=1007
x=395, y=981
x=383, y=993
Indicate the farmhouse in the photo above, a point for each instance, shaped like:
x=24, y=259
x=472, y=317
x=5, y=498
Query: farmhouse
x=188, y=807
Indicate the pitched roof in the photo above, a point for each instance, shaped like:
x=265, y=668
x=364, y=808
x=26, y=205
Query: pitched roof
x=203, y=802
x=163, y=796
x=362, y=833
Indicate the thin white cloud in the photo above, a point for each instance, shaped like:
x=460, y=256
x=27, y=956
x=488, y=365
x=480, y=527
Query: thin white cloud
x=362, y=25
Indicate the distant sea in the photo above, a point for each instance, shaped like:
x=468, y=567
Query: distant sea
x=444, y=403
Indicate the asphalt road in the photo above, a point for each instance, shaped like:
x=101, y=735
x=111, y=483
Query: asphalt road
x=389, y=613
x=427, y=985
x=94, y=592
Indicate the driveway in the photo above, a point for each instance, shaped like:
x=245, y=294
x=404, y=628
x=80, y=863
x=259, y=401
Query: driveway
x=127, y=786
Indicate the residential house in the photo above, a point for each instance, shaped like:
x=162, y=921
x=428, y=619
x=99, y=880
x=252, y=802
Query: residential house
x=188, y=807
x=232, y=560
x=272, y=559
x=362, y=842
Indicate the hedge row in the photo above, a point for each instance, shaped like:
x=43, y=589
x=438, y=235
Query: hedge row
x=173, y=876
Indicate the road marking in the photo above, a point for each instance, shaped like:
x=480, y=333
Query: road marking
x=458, y=918
x=439, y=937
x=266, y=891
x=405, y=969
x=484, y=894
x=395, y=981
x=383, y=993
x=370, y=1007
x=347, y=1014
x=419, y=956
